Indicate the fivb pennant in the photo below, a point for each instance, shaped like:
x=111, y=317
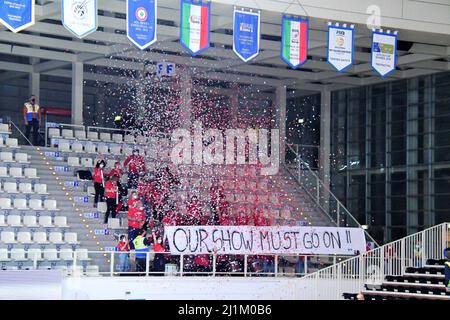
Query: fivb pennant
x=17, y=15
x=195, y=25
x=384, y=53
x=141, y=22
x=79, y=16
x=340, y=47
x=246, y=34
x=294, y=41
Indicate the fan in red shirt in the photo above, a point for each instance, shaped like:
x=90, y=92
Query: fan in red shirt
x=260, y=220
x=135, y=165
x=112, y=197
x=215, y=192
x=136, y=217
x=118, y=172
x=193, y=212
x=99, y=182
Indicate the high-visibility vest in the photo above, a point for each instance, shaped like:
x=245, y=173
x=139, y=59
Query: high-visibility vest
x=139, y=247
x=31, y=110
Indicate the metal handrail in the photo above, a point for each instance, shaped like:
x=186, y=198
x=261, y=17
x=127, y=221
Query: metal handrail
x=21, y=133
x=328, y=192
x=391, y=259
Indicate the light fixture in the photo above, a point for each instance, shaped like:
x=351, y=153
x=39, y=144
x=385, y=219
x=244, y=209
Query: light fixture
x=365, y=226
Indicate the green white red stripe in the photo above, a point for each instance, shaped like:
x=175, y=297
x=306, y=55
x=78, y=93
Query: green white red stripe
x=294, y=49
x=194, y=26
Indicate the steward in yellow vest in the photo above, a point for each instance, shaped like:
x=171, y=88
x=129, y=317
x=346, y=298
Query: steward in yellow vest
x=33, y=118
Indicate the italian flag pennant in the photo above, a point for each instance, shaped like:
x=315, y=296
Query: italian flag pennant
x=194, y=29
x=294, y=41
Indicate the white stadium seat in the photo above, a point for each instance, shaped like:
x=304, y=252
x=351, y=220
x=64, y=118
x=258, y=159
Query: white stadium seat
x=55, y=237
x=66, y=254
x=30, y=221
x=34, y=254
x=67, y=133
x=4, y=128
x=22, y=158
x=14, y=221
x=24, y=237
x=92, y=135
x=101, y=207
x=4, y=255
x=113, y=223
x=64, y=147
x=71, y=238
x=92, y=271
x=18, y=254
x=46, y=221
x=103, y=149
x=2, y=221
x=40, y=188
x=54, y=133
x=127, y=151
x=61, y=222
x=36, y=204
x=91, y=191
x=90, y=148
x=129, y=138
x=141, y=140
x=77, y=147
x=25, y=188
x=7, y=237
x=50, y=205
x=51, y=254
x=16, y=172
x=20, y=204
x=40, y=237
x=6, y=156
x=104, y=136
x=31, y=173
x=3, y=172
x=116, y=150
x=5, y=203
x=1, y=142
x=118, y=138
x=10, y=187
x=87, y=163
x=80, y=134
x=73, y=161
x=12, y=142
x=82, y=254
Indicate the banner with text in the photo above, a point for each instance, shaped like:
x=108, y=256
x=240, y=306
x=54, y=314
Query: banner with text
x=17, y=15
x=195, y=25
x=141, y=22
x=294, y=41
x=340, y=47
x=79, y=16
x=246, y=34
x=384, y=53
x=265, y=240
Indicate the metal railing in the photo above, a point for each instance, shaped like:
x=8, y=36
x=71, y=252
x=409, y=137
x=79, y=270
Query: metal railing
x=116, y=263
x=20, y=132
x=321, y=194
x=372, y=267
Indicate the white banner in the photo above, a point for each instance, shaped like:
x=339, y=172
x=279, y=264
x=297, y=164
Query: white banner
x=384, y=53
x=340, y=47
x=265, y=240
x=79, y=16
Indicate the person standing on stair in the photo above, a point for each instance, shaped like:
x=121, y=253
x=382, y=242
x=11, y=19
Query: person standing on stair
x=99, y=182
x=136, y=166
x=112, y=198
x=447, y=270
x=32, y=116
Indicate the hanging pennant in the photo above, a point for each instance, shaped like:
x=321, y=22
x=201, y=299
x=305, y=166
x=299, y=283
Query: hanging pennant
x=17, y=15
x=79, y=16
x=141, y=22
x=195, y=25
x=340, y=47
x=246, y=34
x=294, y=41
x=384, y=53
